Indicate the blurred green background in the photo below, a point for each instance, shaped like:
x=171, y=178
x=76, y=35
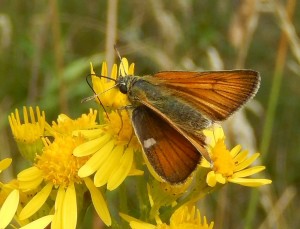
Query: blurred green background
x=46, y=48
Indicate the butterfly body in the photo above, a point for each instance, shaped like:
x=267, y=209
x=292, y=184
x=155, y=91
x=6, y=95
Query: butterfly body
x=145, y=92
x=170, y=110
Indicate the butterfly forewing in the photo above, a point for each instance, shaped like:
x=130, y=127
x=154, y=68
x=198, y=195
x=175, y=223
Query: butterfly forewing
x=171, y=155
x=217, y=94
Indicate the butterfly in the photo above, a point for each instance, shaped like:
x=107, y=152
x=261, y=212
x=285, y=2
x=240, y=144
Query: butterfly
x=170, y=110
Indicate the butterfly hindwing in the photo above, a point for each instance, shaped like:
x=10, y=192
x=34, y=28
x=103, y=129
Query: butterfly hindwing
x=171, y=155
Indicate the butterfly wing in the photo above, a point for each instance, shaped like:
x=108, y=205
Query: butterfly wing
x=188, y=101
x=172, y=156
x=217, y=94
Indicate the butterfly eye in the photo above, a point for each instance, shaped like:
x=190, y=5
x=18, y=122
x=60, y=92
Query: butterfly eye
x=123, y=88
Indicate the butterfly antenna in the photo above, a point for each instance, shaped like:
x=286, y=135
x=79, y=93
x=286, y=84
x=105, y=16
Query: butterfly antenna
x=95, y=94
x=120, y=58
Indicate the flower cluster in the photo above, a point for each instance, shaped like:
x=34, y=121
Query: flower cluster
x=83, y=161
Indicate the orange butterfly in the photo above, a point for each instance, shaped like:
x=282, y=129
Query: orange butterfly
x=170, y=110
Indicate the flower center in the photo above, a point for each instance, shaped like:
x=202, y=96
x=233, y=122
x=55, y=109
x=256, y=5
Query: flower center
x=58, y=163
x=222, y=159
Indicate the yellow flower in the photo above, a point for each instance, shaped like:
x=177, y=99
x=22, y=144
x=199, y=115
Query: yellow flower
x=8, y=202
x=12, y=205
x=55, y=176
x=28, y=135
x=110, y=96
x=183, y=218
x=111, y=147
x=65, y=125
x=4, y=164
x=230, y=166
x=11, y=202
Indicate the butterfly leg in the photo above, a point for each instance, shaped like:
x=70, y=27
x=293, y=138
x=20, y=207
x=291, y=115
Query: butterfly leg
x=120, y=115
x=127, y=107
x=119, y=110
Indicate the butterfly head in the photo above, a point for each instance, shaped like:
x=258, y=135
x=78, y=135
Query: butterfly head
x=124, y=83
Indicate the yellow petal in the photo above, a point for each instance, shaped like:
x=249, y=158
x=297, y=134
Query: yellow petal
x=104, y=69
x=88, y=134
x=211, y=179
x=39, y=223
x=30, y=178
x=220, y=179
x=30, y=174
x=63, y=118
x=123, y=69
x=204, y=163
x=5, y=163
x=69, y=214
x=131, y=69
x=36, y=202
x=96, y=160
x=59, y=198
x=128, y=218
x=57, y=222
x=210, y=139
x=218, y=133
x=91, y=147
x=235, y=150
x=138, y=225
x=135, y=172
x=250, y=182
x=92, y=68
x=240, y=157
x=30, y=185
x=121, y=172
x=246, y=162
x=248, y=172
x=98, y=202
x=102, y=175
x=9, y=208
x=213, y=134
x=114, y=71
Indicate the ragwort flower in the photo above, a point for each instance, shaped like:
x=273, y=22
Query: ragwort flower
x=28, y=134
x=9, y=198
x=112, y=145
x=55, y=176
x=112, y=148
x=230, y=166
x=110, y=95
x=183, y=218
